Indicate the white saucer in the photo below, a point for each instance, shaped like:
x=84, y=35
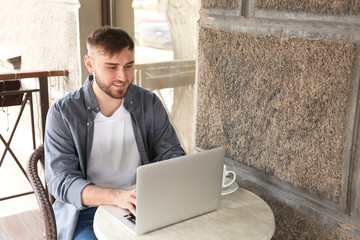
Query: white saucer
x=230, y=189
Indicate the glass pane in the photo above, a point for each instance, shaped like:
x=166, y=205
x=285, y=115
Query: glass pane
x=152, y=33
x=165, y=40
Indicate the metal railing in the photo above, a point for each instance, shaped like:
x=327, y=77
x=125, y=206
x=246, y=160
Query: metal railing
x=42, y=77
x=155, y=76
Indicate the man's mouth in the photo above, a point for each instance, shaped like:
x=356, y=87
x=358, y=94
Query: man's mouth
x=119, y=84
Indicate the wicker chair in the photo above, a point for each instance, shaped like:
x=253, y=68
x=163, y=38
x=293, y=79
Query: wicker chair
x=44, y=199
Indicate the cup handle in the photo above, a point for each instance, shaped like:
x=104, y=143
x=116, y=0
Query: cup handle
x=233, y=178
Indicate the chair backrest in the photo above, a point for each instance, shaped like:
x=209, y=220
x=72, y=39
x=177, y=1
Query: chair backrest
x=44, y=199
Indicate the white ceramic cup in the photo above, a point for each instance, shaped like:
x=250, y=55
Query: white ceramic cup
x=226, y=180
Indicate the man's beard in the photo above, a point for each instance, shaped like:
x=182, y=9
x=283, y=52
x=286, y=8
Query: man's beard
x=120, y=94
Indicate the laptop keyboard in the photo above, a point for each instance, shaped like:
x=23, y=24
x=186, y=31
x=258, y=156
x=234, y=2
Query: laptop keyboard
x=131, y=218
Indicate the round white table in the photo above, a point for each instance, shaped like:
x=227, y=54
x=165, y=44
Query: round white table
x=242, y=215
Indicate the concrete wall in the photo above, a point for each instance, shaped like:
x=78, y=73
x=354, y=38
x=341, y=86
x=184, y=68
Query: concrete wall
x=278, y=85
x=50, y=34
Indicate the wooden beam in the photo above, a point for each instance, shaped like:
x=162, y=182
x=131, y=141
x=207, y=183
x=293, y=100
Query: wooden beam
x=33, y=74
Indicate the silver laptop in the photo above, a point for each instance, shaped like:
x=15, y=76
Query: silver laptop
x=174, y=190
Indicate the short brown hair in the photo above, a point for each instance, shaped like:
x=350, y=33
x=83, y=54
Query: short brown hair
x=110, y=40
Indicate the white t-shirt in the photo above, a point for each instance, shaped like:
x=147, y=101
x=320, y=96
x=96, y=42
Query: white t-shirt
x=114, y=155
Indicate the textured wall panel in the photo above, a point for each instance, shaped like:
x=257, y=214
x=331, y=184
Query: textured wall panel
x=223, y=4
x=328, y=7
x=292, y=223
x=278, y=105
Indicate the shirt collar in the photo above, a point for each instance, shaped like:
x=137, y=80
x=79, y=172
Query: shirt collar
x=128, y=101
x=89, y=95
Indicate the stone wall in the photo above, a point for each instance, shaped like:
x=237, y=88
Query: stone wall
x=278, y=85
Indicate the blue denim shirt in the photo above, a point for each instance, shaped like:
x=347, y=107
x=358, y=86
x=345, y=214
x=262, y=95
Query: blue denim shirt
x=68, y=139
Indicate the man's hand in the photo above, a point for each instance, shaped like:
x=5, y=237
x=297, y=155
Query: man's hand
x=93, y=196
x=126, y=200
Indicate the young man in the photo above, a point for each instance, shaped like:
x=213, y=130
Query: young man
x=98, y=135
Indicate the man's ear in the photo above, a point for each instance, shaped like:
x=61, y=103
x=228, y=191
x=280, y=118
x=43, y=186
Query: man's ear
x=89, y=64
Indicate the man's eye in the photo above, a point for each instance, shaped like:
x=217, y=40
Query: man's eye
x=128, y=66
x=112, y=68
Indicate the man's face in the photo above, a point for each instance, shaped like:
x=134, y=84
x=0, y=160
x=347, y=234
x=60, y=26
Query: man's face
x=113, y=75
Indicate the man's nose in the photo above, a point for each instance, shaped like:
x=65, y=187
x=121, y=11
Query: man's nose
x=120, y=74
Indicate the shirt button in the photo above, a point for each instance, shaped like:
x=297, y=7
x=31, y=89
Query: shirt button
x=87, y=124
x=89, y=108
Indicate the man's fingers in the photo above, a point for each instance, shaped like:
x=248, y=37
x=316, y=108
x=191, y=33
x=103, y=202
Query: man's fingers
x=132, y=198
x=133, y=193
x=132, y=201
x=132, y=209
x=127, y=200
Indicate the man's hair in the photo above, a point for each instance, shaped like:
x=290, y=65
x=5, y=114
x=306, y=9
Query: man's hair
x=109, y=40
